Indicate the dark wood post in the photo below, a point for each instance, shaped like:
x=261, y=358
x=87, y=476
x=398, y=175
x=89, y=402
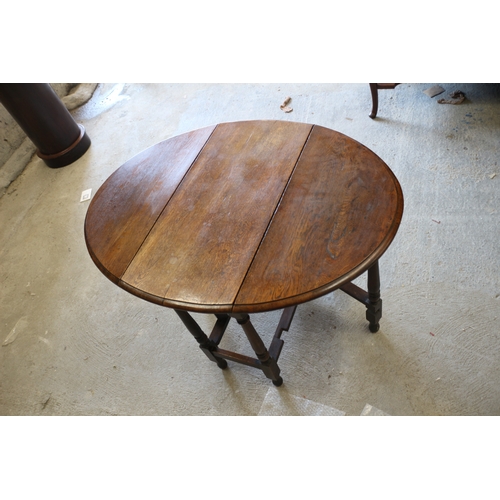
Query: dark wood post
x=206, y=345
x=268, y=365
x=374, y=306
x=46, y=121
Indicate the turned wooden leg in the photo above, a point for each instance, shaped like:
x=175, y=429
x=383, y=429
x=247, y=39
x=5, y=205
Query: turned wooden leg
x=206, y=345
x=269, y=365
x=374, y=307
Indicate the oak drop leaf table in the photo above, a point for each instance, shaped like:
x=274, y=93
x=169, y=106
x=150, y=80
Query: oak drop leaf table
x=246, y=217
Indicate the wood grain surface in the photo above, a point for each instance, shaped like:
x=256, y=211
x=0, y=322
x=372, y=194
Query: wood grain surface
x=125, y=208
x=244, y=217
x=340, y=212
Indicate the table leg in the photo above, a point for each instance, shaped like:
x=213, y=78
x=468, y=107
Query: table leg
x=265, y=361
x=206, y=345
x=268, y=364
x=371, y=298
x=374, y=306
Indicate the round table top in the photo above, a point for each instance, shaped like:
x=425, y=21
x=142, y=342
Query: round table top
x=246, y=216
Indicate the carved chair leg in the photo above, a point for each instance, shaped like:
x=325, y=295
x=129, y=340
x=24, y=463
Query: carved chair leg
x=374, y=88
x=374, y=91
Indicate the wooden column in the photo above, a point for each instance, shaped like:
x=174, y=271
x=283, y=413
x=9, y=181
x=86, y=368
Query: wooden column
x=46, y=121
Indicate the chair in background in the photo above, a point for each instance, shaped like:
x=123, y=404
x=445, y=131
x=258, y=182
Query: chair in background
x=374, y=88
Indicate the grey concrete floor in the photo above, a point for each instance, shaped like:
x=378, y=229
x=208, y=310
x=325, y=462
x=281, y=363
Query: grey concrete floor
x=72, y=343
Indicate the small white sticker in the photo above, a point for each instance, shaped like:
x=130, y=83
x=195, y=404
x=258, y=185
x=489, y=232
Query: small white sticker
x=86, y=195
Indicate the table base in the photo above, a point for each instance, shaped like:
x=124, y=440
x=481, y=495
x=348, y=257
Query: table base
x=267, y=359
